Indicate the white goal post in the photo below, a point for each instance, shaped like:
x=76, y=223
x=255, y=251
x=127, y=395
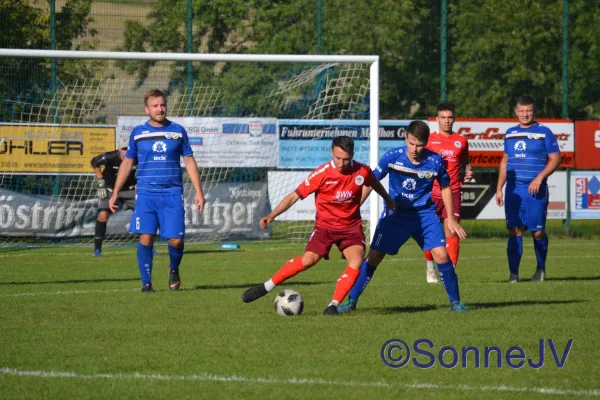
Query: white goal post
x=77, y=100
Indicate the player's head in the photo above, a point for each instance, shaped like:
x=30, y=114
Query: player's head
x=417, y=135
x=155, y=102
x=525, y=110
x=445, y=117
x=342, y=151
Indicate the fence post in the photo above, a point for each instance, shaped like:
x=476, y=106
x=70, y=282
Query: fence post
x=443, y=50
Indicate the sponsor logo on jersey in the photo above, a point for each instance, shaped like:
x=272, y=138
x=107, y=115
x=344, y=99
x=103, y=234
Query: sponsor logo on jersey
x=341, y=196
x=359, y=180
x=172, y=135
x=331, y=182
x=447, y=153
x=159, y=147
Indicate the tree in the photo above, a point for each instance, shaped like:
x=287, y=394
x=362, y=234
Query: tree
x=26, y=86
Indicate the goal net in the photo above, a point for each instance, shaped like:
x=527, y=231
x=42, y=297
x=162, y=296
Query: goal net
x=257, y=124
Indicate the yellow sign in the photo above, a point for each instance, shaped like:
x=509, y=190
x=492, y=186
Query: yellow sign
x=52, y=148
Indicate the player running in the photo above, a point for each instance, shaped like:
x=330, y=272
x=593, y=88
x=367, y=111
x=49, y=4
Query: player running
x=454, y=150
x=338, y=187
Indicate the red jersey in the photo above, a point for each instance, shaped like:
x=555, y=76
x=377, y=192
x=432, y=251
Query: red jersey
x=337, y=194
x=453, y=149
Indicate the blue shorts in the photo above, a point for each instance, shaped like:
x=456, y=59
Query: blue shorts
x=524, y=209
x=164, y=211
x=394, y=230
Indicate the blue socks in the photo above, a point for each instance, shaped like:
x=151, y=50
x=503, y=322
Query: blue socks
x=366, y=273
x=514, y=251
x=450, y=280
x=144, y=257
x=541, y=251
x=175, y=256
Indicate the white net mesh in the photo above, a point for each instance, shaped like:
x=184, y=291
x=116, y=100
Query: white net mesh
x=235, y=114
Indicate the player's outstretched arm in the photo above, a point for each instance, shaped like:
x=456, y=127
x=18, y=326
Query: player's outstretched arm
x=192, y=170
x=453, y=225
x=501, y=180
x=124, y=170
x=282, y=207
x=380, y=190
x=366, y=191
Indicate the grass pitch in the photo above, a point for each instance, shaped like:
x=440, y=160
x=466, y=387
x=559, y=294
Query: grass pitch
x=74, y=326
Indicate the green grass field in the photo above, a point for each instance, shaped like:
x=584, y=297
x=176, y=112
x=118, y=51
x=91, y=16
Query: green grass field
x=74, y=326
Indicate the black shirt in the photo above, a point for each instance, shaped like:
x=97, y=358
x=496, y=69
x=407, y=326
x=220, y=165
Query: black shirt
x=112, y=161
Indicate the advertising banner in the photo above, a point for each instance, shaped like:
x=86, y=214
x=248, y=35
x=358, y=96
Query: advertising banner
x=231, y=211
x=585, y=195
x=306, y=144
x=223, y=142
x=486, y=138
x=479, y=198
x=587, y=144
x=52, y=148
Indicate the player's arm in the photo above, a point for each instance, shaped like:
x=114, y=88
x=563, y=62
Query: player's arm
x=501, y=180
x=453, y=225
x=465, y=164
x=282, y=207
x=124, y=170
x=380, y=190
x=192, y=170
x=553, y=163
x=97, y=162
x=366, y=191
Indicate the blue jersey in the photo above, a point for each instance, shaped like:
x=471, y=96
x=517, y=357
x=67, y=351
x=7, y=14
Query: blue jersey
x=411, y=184
x=159, y=151
x=528, y=150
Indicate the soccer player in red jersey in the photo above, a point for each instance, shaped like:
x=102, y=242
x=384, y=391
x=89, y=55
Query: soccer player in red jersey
x=454, y=150
x=338, y=187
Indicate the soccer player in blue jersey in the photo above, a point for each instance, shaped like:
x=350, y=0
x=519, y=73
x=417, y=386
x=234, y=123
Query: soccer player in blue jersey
x=531, y=155
x=158, y=145
x=412, y=171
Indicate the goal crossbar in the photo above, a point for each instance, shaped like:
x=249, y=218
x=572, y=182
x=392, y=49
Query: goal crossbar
x=371, y=60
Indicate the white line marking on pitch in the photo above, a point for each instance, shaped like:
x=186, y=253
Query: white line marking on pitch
x=298, y=381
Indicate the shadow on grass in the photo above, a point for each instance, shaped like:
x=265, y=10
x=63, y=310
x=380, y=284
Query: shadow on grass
x=499, y=304
x=101, y=280
x=400, y=309
x=575, y=278
x=247, y=285
x=203, y=251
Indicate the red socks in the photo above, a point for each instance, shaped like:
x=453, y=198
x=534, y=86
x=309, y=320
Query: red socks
x=345, y=283
x=288, y=270
x=428, y=255
x=453, y=247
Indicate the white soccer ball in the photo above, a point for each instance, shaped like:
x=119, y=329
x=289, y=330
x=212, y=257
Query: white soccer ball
x=289, y=302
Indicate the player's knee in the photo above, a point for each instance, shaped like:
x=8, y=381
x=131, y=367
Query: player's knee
x=539, y=235
x=375, y=258
x=440, y=255
x=176, y=242
x=102, y=216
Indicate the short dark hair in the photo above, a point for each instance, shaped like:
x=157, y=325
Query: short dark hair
x=343, y=142
x=525, y=100
x=446, y=106
x=420, y=130
x=154, y=93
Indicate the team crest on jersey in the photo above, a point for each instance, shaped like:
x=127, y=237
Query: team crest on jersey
x=457, y=144
x=537, y=136
x=359, y=180
x=159, y=147
x=520, y=145
x=409, y=184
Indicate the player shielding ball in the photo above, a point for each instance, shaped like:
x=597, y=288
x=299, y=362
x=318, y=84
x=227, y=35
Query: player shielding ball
x=412, y=170
x=454, y=150
x=531, y=155
x=338, y=188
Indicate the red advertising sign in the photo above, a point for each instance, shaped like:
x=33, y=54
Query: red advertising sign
x=587, y=144
x=486, y=138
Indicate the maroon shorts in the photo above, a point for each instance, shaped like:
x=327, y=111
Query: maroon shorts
x=321, y=240
x=441, y=210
